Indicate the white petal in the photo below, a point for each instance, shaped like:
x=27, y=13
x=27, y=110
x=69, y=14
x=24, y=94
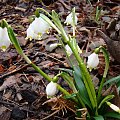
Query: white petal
x=51, y=89
x=30, y=33
x=68, y=50
x=69, y=19
x=4, y=39
x=37, y=28
x=115, y=108
x=52, y=47
x=93, y=61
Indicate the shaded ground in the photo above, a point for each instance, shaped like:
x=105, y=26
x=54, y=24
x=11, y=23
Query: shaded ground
x=24, y=96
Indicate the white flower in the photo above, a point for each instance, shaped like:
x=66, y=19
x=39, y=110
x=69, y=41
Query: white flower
x=53, y=46
x=68, y=50
x=69, y=19
x=4, y=39
x=37, y=28
x=114, y=107
x=51, y=89
x=93, y=61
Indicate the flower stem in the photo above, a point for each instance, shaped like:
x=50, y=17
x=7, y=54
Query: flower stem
x=20, y=51
x=86, y=77
x=105, y=71
x=66, y=93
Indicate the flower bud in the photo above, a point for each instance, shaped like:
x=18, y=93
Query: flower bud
x=93, y=61
x=51, y=89
x=4, y=39
x=114, y=107
x=51, y=47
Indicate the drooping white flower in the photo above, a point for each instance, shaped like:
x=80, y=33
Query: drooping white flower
x=93, y=61
x=53, y=46
x=51, y=89
x=69, y=19
x=37, y=28
x=69, y=51
x=4, y=39
x=114, y=107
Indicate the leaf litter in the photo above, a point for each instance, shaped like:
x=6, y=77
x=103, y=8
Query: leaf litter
x=22, y=88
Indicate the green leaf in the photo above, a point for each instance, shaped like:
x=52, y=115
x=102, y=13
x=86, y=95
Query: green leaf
x=106, y=55
x=14, y=40
x=109, y=97
x=66, y=70
x=69, y=80
x=56, y=19
x=70, y=96
x=113, y=80
x=50, y=22
x=99, y=117
x=113, y=115
x=81, y=87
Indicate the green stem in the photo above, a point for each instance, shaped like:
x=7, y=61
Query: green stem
x=41, y=72
x=73, y=13
x=20, y=51
x=66, y=93
x=105, y=72
x=86, y=77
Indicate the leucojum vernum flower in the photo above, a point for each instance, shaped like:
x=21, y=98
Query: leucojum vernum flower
x=69, y=19
x=93, y=61
x=37, y=28
x=51, y=89
x=4, y=39
x=114, y=107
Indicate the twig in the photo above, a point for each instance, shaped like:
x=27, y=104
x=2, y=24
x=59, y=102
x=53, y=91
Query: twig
x=14, y=71
x=50, y=115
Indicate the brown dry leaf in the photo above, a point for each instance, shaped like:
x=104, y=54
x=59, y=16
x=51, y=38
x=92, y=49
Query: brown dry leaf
x=1, y=68
x=8, y=83
x=47, y=64
x=11, y=68
x=4, y=113
x=22, y=40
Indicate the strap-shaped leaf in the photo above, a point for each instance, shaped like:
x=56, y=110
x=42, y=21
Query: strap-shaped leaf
x=80, y=86
x=99, y=117
x=109, y=97
x=113, y=115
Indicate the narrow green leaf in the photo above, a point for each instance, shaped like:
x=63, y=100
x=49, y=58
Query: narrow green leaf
x=106, y=55
x=14, y=40
x=69, y=80
x=113, y=115
x=99, y=117
x=81, y=87
x=109, y=97
x=112, y=80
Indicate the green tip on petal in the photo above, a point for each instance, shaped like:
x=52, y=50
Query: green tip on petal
x=4, y=48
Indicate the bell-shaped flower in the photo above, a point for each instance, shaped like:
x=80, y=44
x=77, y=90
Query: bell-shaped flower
x=69, y=51
x=51, y=89
x=114, y=107
x=93, y=61
x=37, y=28
x=4, y=39
x=51, y=47
x=69, y=19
